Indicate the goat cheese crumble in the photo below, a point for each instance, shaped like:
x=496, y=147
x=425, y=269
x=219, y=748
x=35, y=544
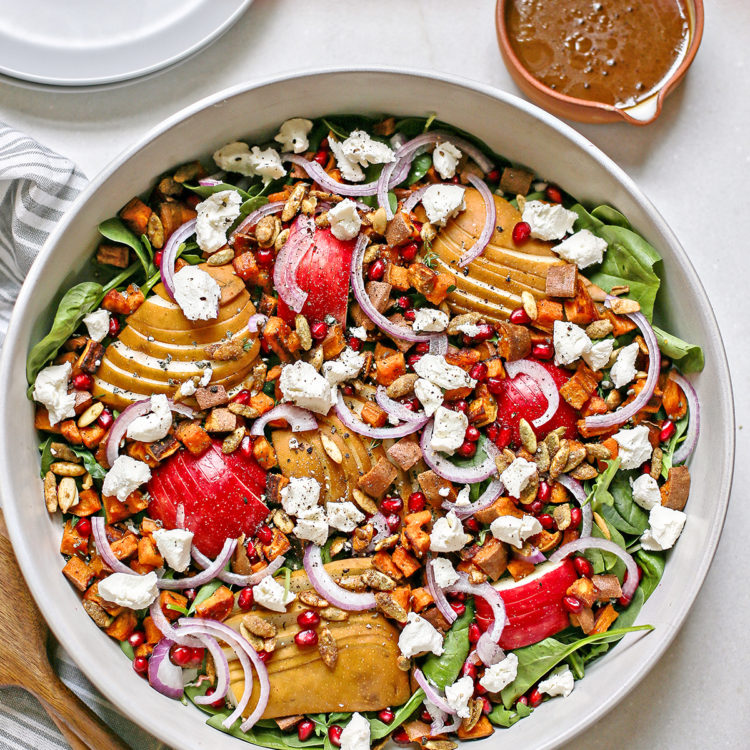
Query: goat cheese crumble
x=443, y=202
x=623, y=370
x=363, y=150
x=51, y=390
x=583, y=248
x=154, y=425
x=665, y=527
x=599, y=354
x=174, y=545
x=429, y=395
x=427, y=319
x=97, y=324
x=270, y=594
x=238, y=157
x=197, y=293
x=419, y=637
x=634, y=446
x=500, y=675
x=646, y=492
x=300, y=495
x=445, y=574
x=445, y=159
x=344, y=516
x=515, y=531
x=448, y=430
x=346, y=367
x=293, y=133
x=131, y=591
x=215, y=215
x=458, y=694
x=559, y=683
x=571, y=342
x=345, y=221
x=448, y=534
x=548, y=221
x=125, y=477
x=356, y=734
x=517, y=476
x=434, y=368
x=301, y=384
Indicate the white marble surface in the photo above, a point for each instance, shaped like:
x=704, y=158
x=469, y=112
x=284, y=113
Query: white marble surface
x=689, y=163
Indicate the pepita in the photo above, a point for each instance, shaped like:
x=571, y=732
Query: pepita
x=67, y=494
x=67, y=469
x=91, y=414
x=528, y=438
x=529, y=304
x=221, y=258
x=233, y=440
x=50, y=492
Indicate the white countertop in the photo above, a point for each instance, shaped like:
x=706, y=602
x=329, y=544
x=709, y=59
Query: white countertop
x=693, y=163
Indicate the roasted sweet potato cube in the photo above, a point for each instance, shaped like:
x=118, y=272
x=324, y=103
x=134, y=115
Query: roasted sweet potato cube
x=675, y=491
x=519, y=568
x=113, y=255
x=399, y=230
x=581, y=310
x=464, y=358
x=561, y=281
x=193, y=437
x=123, y=626
x=114, y=510
x=221, y=420
x=514, y=342
x=383, y=562
x=422, y=278
x=482, y=728
x=125, y=547
x=390, y=368
x=153, y=634
x=406, y=563
x=431, y=484
x=373, y=415
x=583, y=620
x=69, y=430
x=136, y=214
x=41, y=421
x=246, y=267
x=280, y=338
x=441, y=288
x=72, y=543
x=78, y=573
x=123, y=303
x=148, y=554
x=334, y=343
x=482, y=411
x=516, y=181
x=405, y=453
x=491, y=558
x=421, y=598
x=90, y=358
x=397, y=277
x=503, y=506
x=218, y=606
x=581, y=386
x=88, y=503
x=264, y=453
x=620, y=324
x=548, y=311
x=608, y=586
x=279, y=545
x=92, y=435
x=274, y=484
x=605, y=617
x=583, y=589
x=168, y=600
x=379, y=293
x=261, y=402
x=380, y=477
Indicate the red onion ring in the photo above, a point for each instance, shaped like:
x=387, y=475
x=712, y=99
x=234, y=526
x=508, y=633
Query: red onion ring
x=579, y=545
x=545, y=382
x=329, y=589
x=694, y=424
x=164, y=626
x=211, y=572
x=535, y=557
x=624, y=413
x=494, y=490
x=104, y=549
x=441, y=602
x=490, y=219
x=396, y=409
x=376, y=433
x=252, y=218
x=414, y=198
x=487, y=649
x=445, y=469
x=255, y=322
x=298, y=419
x=432, y=693
x=316, y=172
x=576, y=489
x=127, y=416
x=209, y=182
x=235, y=579
x=439, y=345
x=163, y=676
x=169, y=254
x=200, y=630
x=300, y=240
x=381, y=527
x=360, y=294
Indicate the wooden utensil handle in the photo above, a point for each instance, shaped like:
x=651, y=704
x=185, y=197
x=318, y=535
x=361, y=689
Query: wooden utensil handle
x=72, y=739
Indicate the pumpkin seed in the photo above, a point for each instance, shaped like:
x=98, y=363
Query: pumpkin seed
x=91, y=414
x=221, y=258
x=67, y=494
x=50, y=492
x=528, y=438
x=67, y=469
x=529, y=304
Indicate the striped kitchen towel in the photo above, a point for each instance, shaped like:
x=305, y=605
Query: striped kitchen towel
x=37, y=186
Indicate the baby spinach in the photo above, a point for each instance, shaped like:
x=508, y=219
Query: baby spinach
x=504, y=717
x=443, y=670
x=652, y=565
x=91, y=465
x=609, y=215
x=606, y=562
x=78, y=301
x=419, y=168
x=688, y=357
x=629, y=259
x=379, y=729
x=599, y=493
x=203, y=593
x=114, y=230
x=624, y=514
x=681, y=426
x=47, y=458
x=127, y=649
x=265, y=737
x=537, y=660
x=204, y=191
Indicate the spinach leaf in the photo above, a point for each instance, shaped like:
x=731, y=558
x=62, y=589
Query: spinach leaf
x=419, y=168
x=379, y=730
x=93, y=467
x=688, y=357
x=47, y=458
x=652, y=565
x=629, y=259
x=624, y=514
x=606, y=562
x=204, y=191
x=343, y=125
x=600, y=494
x=504, y=717
x=265, y=737
x=480, y=455
x=681, y=426
x=113, y=229
x=78, y=301
x=609, y=215
x=203, y=593
x=443, y=670
x=127, y=649
x=251, y=204
x=628, y=616
x=535, y=661
x=120, y=279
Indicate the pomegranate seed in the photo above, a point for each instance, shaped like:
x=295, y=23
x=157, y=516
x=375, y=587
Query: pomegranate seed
x=242, y=397
x=319, y=330
x=460, y=405
x=140, y=665
x=471, y=434
x=246, y=446
x=348, y=390
x=422, y=347
x=646, y=469
x=425, y=715
x=583, y=567
x=105, y=419
x=376, y=271
x=305, y=729
x=536, y=507
x=493, y=175
x=306, y=638
x=455, y=179
x=181, y=655
x=400, y=737
x=493, y=431
x=409, y=252
x=521, y=232
x=196, y=656
x=264, y=256
x=572, y=604
x=114, y=326
x=458, y=596
x=547, y=521
x=469, y=669
x=83, y=528
x=412, y=359
x=265, y=656
x=410, y=314
x=321, y=157
x=324, y=145
x=393, y=522
x=245, y=599
x=467, y=449
x=458, y=607
x=535, y=698
x=264, y=534
x=479, y=689
x=412, y=404
x=474, y=632
x=667, y=430
x=308, y=619
x=334, y=735
x=392, y=504
x=472, y=525
x=544, y=491
x=137, y=638
x=520, y=317
x=158, y=255
x=495, y=386
x=386, y=716
x=486, y=706
x=252, y=554
x=486, y=331
x=575, y=517
x=624, y=601
x=523, y=700
x=479, y=371
x=553, y=194
x=83, y=382
x=403, y=302
x=219, y=703
x=355, y=344
x=417, y=501
x=543, y=351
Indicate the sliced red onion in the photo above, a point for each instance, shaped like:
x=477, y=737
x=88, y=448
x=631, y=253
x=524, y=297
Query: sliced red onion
x=316, y=172
x=104, y=549
x=329, y=589
x=358, y=288
x=252, y=218
x=535, y=557
x=447, y=470
x=439, y=345
x=381, y=527
x=255, y=321
x=545, y=382
x=298, y=419
x=163, y=676
x=591, y=542
x=414, y=198
x=624, y=413
x=396, y=409
x=576, y=489
x=126, y=417
x=494, y=490
x=376, y=433
x=209, y=182
x=487, y=649
x=169, y=254
x=441, y=602
x=300, y=241
x=236, y=579
x=200, y=629
x=433, y=694
x=490, y=216
x=687, y=447
x=165, y=627
x=211, y=572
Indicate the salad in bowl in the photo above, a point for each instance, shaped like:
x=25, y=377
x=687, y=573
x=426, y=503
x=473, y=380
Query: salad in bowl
x=364, y=433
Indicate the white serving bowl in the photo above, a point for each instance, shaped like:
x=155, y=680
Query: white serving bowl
x=511, y=127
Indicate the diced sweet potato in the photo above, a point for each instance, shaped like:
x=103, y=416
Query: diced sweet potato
x=264, y=453
x=389, y=369
x=72, y=543
x=123, y=303
x=69, y=430
x=583, y=589
x=136, y=502
x=397, y=277
x=221, y=420
x=280, y=338
x=608, y=586
x=503, y=506
x=78, y=573
x=123, y=626
x=334, y=342
x=514, y=342
x=548, y=311
x=583, y=620
x=605, y=617
x=421, y=598
x=492, y=558
x=41, y=421
x=246, y=267
x=148, y=554
x=413, y=532
x=674, y=401
x=422, y=278
x=405, y=453
x=193, y=437
x=92, y=435
x=431, y=484
x=153, y=634
x=167, y=598
x=675, y=491
x=125, y=547
x=482, y=411
x=441, y=288
x=581, y=386
x=113, y=255
x=581, y=310
x=399, y=230
x=218, y=606
x=136, y=214
x=405, y=562
x=380, y=477
x=373, y=415
x=114, y=510
x=620, y=324
x=279, y=545
x=464, y=358
x=261, y=402
x=383, y=562
x=88, y=503
x=561, y=281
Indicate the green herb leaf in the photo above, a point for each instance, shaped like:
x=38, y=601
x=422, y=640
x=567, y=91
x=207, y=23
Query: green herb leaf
x=127, y=649
x=47, y=458
x=444, y=670
x=688, y=357
x=652, y=565
x=600, y=494
x=681, y=426
x=624, y=514
x=379, y=730
x=93, y=467
x=114, y=230
x=506, y=718
x=203, y=593
x=419, y=168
